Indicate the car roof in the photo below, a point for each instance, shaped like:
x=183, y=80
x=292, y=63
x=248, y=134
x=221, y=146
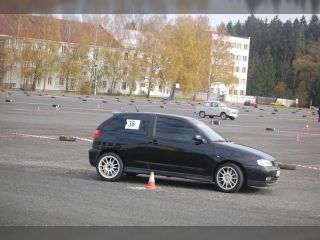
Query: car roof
x=155, y=113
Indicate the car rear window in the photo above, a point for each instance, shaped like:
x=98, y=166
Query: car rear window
x=131, y=124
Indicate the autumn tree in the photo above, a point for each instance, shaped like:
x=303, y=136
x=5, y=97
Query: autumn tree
x=188, y=51
x=74, y=53
x=152, y=48
x=222, y=63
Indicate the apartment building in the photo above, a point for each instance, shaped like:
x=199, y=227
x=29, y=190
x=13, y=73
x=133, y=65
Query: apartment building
x=19, y=31
x=240, y=48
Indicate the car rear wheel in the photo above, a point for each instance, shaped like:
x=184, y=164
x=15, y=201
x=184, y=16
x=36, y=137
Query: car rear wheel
x=110, y=167
x=202, y=114
x=223, y=116
x=229, y=178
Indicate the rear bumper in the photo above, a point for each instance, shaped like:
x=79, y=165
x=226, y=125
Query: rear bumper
x=262, y=176
x=93, y=156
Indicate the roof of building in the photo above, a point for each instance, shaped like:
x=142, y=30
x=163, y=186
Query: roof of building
x=49, y=28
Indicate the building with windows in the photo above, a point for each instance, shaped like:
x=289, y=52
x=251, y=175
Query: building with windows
x=26, y=41
x=240, y=48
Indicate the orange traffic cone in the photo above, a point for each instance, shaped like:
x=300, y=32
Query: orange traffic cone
x=297, y=138
x=151, y=183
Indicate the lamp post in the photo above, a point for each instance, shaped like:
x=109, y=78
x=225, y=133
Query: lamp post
x=95, y=78
x=175, y=86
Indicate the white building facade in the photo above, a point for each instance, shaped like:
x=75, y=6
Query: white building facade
x=240, y=49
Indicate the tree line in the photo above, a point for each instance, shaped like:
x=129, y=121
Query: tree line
x=284, y=57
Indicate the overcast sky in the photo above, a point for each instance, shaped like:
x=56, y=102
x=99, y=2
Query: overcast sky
x=216, y=19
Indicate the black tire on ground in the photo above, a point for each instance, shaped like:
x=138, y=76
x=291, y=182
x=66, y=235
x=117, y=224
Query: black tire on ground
x=223, y=116
x=211, y=116
x=110, y=167
x=202, y=114
x=232, y=118
x=287, y=166
x=235, y=173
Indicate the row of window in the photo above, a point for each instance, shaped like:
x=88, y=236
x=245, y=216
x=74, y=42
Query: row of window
x=240, y=58
x=235, y=92
x=240, y=45
x=169, y=128
x=49, y=81
x=239, y=69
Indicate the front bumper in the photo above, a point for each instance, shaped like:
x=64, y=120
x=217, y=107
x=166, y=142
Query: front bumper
x=262, y=176
x=234, y=115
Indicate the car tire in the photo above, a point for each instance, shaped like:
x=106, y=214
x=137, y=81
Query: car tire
x=232, y=118
x=229, y=178
x=223, y=116
x=211, y=116
x=202, y=114
x=110, y=167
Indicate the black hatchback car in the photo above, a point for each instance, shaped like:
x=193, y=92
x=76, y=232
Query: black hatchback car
x=176, y=146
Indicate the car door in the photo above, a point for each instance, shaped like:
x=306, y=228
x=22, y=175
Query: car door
x=174, y=150
x=128, y=135
x=215, y=109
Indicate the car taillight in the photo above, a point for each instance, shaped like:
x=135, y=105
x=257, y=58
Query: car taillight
x=97, y=134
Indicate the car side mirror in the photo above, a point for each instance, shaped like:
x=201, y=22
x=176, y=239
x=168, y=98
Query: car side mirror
x=198, y=139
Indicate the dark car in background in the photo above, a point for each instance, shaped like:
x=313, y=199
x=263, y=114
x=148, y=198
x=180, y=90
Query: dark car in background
x=176, y=146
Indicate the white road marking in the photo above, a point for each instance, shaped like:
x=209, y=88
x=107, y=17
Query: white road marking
x=35, y=136
x=307, y=167
x=48, y=137
x=84, y=139
x=137, y=188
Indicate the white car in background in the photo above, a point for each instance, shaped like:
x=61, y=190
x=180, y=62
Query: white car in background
x=216, y=109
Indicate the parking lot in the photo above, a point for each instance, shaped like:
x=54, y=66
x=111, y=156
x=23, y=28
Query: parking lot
x=45, y=181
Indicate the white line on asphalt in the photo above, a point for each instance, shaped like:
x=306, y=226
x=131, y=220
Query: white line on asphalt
x=307, y=167
x=34, y=136
x=137, y=188
x=48, y=137
x=84, y=139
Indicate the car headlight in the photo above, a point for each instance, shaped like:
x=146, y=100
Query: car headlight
x=264, y=163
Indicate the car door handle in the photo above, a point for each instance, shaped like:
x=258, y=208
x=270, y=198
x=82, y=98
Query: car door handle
x=154, y=141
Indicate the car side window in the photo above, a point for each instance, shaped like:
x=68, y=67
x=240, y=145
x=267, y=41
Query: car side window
x=174, y=129
x=206, y=104
x=132, y=124
x=214, y=104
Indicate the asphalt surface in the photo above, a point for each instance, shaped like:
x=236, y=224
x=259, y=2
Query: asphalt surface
x=48, y=182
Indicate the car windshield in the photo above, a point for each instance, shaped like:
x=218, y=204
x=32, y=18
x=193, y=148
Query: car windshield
x=209, y=133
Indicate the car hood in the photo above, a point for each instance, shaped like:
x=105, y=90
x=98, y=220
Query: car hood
x=233, y=151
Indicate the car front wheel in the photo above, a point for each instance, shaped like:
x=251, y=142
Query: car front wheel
x=229, y=178
x=202, y=114
x=110, y=167
x=223, y=116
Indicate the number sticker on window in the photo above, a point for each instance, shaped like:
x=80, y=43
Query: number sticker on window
x=132, y=124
